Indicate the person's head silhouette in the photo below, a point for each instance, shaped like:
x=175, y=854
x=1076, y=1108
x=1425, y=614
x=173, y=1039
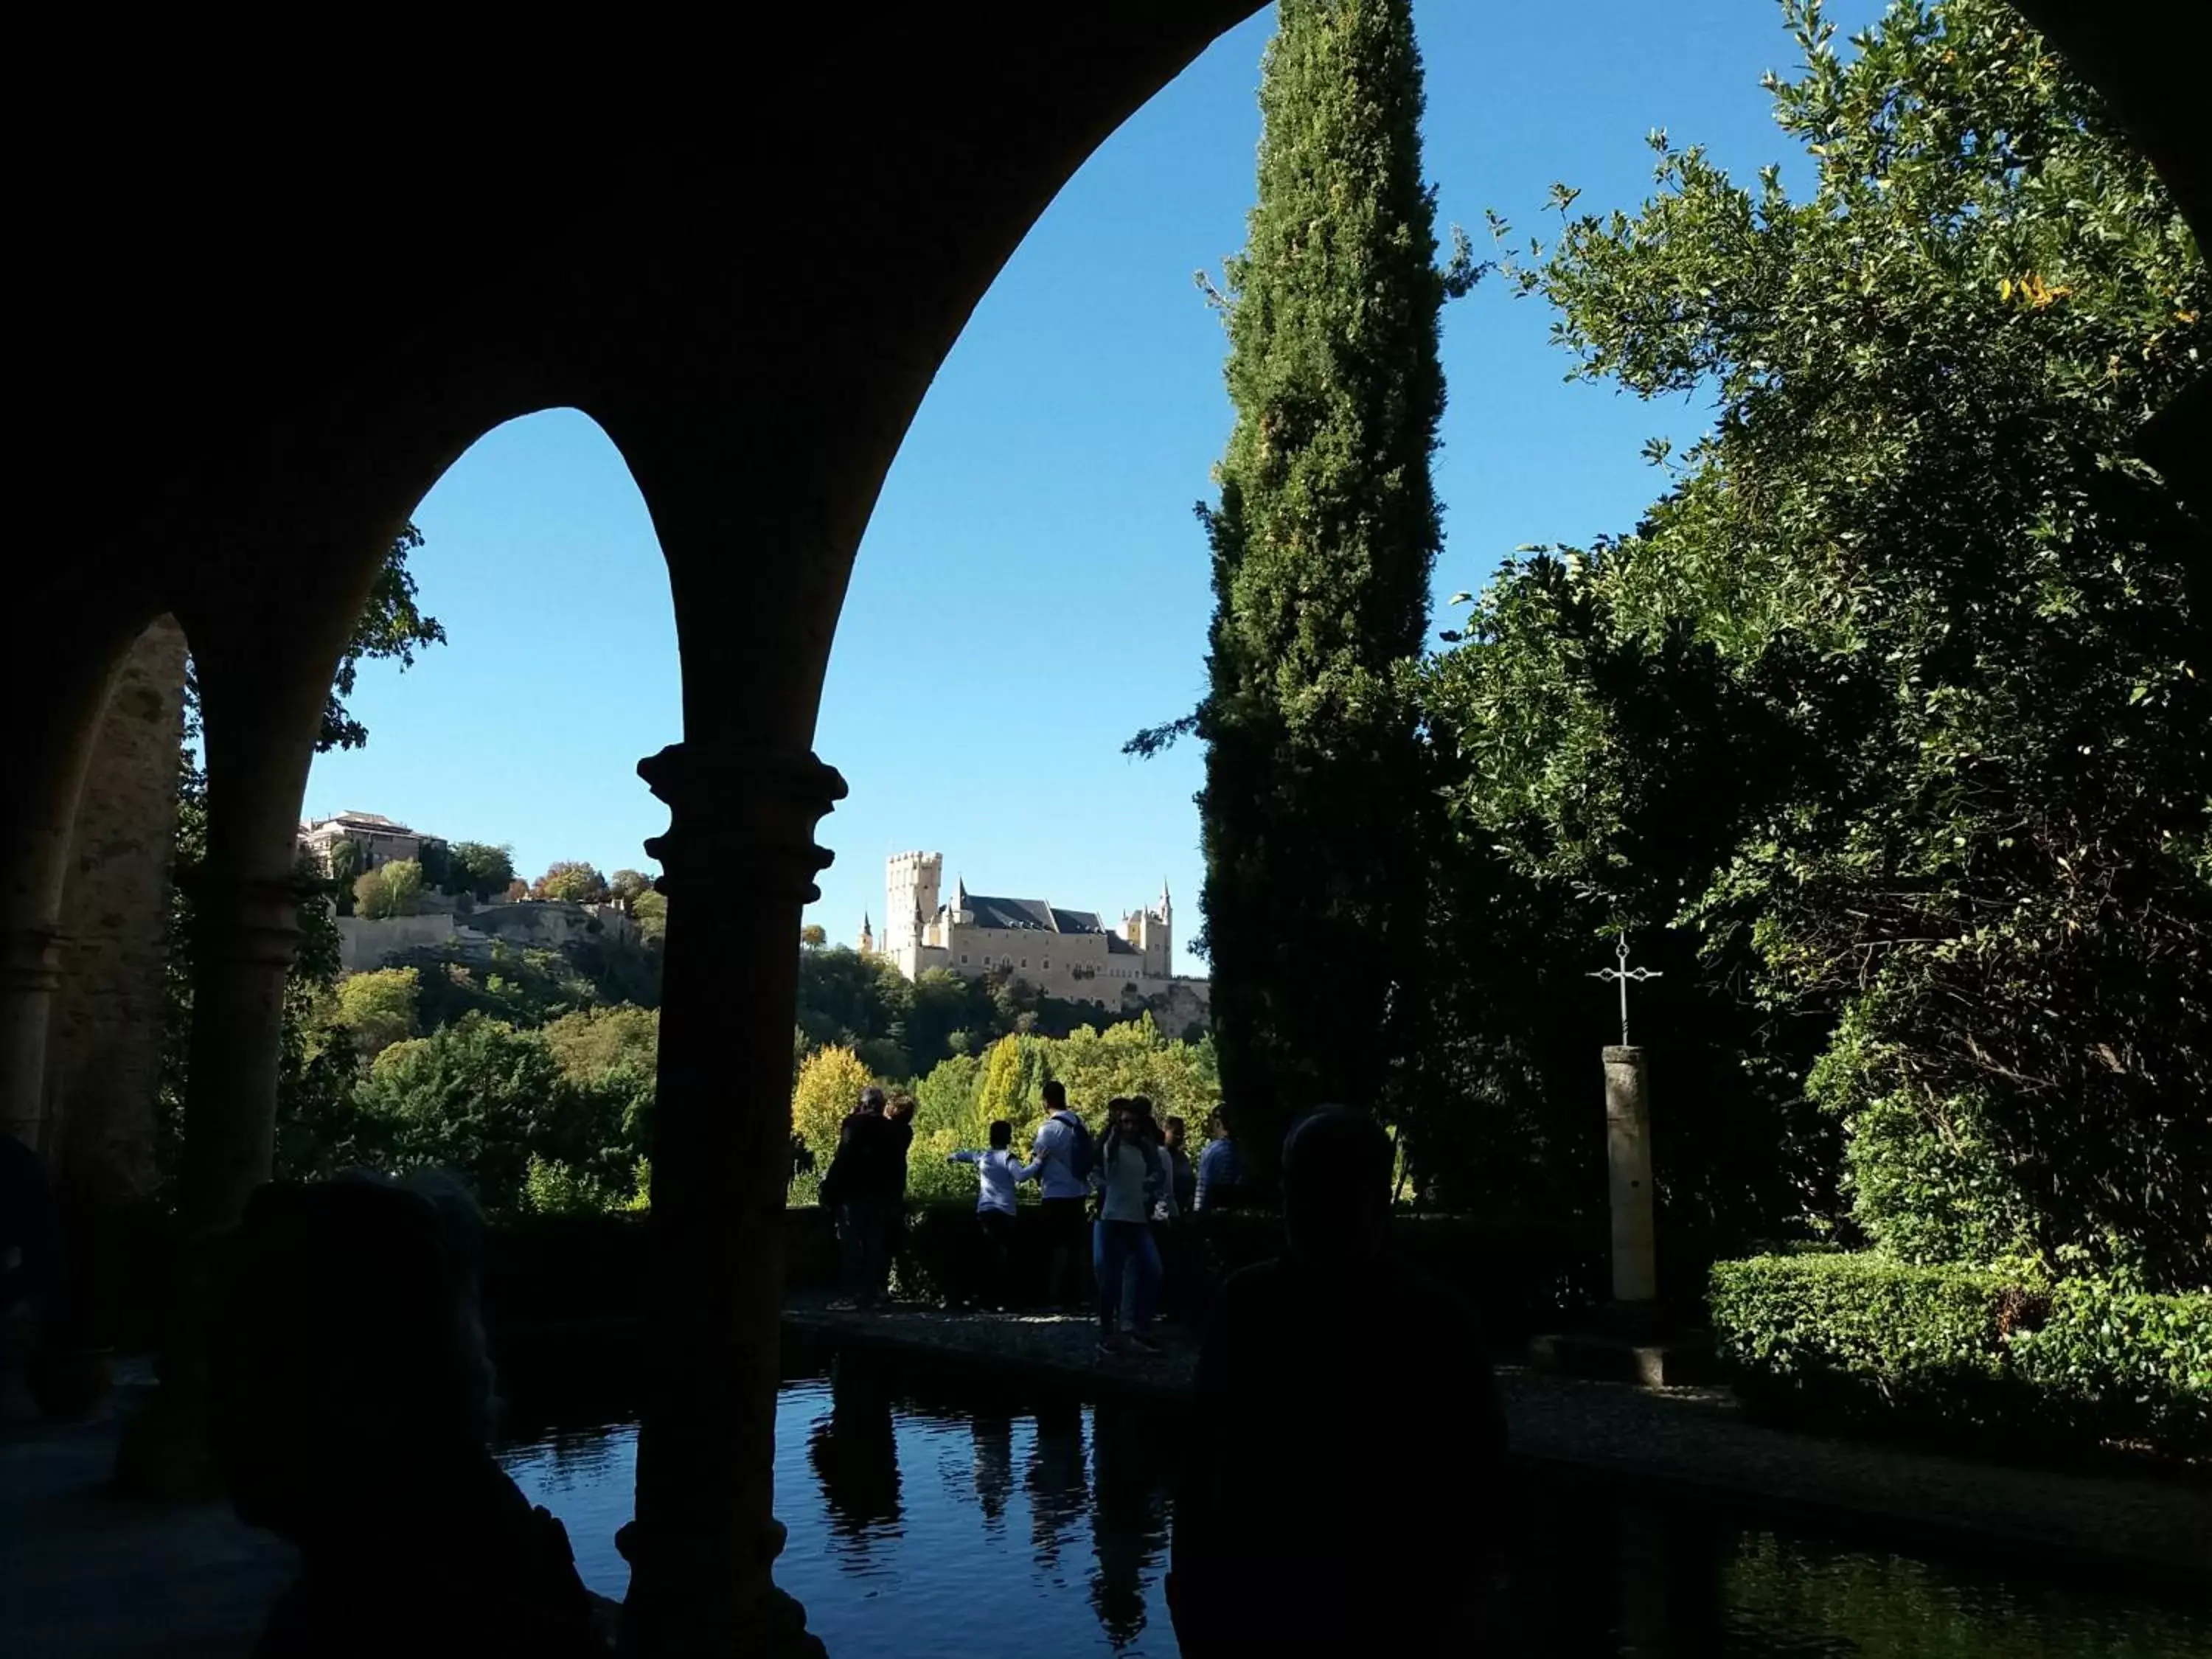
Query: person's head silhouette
x=872, y=1100
x=1336, y=1186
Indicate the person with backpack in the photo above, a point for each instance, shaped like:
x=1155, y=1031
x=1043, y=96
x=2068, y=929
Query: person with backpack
x=1064, y=1157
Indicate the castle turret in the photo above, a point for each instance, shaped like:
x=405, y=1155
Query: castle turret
x=910, y=885
x=867, y=935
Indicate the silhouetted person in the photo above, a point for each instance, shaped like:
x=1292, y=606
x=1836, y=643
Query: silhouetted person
x=1064, y=1154
x=865, y=1185
x=349, y=1395
x=1221, y=1182
x=1176, y=1139
x=1132, y=1178
x=1350, y=1459
x=898, y=1247
x=998, y=1173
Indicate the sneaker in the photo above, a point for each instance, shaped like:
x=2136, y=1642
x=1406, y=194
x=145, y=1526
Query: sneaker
x=1108, y=1348
x=1146, y=1343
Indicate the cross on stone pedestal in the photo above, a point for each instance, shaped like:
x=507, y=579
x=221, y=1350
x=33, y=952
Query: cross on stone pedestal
x=1628, y=1153
x=1624, y=973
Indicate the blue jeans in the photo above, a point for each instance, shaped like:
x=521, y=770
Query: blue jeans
x=1116, y=1248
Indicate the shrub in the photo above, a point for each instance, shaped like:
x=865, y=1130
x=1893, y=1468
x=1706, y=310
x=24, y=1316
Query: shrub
x=2135, y=1360
x=1864, y=1339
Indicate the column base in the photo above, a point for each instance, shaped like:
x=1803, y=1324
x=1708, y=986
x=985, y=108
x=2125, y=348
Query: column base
x=684, y=1603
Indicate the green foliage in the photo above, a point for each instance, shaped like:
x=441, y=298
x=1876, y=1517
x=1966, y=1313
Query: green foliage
x=483, y=871
x=1322, y=541
x=2107, y=1355
x=379, y=1007
x=591, y=1041
x=349, y=863
x=628, y=886
x=813, y=937
x=1861, y=1337
x=391, y=890
x=391, y=625
x=650, y=910
x=829, y=1088
x=573, y=881
x=1893, y=705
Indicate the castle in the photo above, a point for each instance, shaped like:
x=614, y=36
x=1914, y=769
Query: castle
x=1068, y=954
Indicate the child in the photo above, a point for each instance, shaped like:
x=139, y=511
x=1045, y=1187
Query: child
x=998, y=1172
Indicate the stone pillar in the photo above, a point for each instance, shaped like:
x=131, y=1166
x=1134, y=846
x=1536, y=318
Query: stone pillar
x=30, y=973
x=105, y=1041
x=58, y=685
x=740, y=860
x=1628, y=1162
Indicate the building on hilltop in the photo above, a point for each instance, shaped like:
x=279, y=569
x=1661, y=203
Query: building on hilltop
x=382, y=841
x=1069, y=954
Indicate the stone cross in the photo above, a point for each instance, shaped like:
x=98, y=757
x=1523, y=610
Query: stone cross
x=1624, y=973
x=1628, y=1154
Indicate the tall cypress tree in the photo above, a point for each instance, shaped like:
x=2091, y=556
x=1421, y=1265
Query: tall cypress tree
x=1323, y=541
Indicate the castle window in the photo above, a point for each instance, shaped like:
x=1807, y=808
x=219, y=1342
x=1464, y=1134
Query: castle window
x=1025, y=962
x=964, y=959
x=1046, y=964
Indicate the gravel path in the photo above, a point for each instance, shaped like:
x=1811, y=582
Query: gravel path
x=1694, y=1440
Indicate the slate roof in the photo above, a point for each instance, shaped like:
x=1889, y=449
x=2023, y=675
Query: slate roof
x=1031, y=914
x=1076, y=921
x=1118, y=946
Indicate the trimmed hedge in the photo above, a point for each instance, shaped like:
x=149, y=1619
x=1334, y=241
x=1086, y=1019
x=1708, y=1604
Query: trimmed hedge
x=1859, y=1339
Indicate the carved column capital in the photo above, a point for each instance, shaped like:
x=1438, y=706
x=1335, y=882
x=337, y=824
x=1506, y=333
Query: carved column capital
x=736, y=809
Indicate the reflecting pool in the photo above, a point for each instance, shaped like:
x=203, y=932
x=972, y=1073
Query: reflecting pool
x=931, y=1518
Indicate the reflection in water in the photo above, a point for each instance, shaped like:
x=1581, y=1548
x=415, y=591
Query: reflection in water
x=1059, y=1492
x=992, y=1461
x=854, y=1452
x=889, y=1567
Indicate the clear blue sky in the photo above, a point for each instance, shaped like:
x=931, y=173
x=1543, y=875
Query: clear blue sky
x=1033, y=587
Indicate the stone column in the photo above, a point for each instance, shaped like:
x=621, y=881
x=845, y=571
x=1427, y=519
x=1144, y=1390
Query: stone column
x=740, y=861
x=1628, y=1162
x=58, y=692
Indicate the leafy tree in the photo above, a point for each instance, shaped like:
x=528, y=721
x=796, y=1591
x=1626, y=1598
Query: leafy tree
x=392, y=625
x=441, y=873
x=571, y=882
x=349, y=863
x=628, y=886
x=481, y=870
x=813, y=937
x=1915, y=641
x=390, y=890
x=1322, y=543
x=829, y=1088
x=517, y=891
x=379, y=1007
x=593, y=1041
x=651, y=911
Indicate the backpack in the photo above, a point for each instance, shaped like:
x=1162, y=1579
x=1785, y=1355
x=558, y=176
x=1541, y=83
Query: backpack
x=1082, y=1155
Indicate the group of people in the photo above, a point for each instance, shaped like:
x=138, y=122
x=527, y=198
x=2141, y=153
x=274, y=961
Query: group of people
x=1101, y=1200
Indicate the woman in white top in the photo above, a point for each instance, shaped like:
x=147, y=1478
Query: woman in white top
x=1132, y=1182
x=998, y=1172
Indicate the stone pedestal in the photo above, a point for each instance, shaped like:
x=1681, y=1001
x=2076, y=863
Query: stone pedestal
x=1628, y=1166
x=740, y=860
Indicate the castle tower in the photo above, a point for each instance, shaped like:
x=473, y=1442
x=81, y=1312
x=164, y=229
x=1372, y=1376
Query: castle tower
x=910, y=885
x=1157, y=941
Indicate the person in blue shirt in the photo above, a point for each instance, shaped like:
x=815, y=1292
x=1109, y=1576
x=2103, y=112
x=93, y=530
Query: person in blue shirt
x=998, y=1173
x=1062, y=1151
x=1220, y=1168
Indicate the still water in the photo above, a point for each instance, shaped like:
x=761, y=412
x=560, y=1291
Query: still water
x=953, y=1522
